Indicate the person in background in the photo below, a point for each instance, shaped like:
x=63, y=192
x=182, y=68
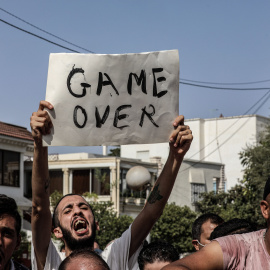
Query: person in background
x=10, y=238
x=247, y=251
x=202, y=229
x=156, y=255
x=233, y=226
x=83, y=259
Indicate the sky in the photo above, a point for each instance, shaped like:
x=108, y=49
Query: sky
x=221, y=42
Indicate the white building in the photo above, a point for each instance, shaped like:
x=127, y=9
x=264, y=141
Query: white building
x=217, y=143
x=16, y=147
x=77, y=173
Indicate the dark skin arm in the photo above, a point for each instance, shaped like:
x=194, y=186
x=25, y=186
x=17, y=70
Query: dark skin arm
x=180, y=141
x=41, y=216
x=208, y=258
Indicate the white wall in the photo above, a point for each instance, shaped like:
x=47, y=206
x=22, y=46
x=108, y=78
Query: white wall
x=215, y=140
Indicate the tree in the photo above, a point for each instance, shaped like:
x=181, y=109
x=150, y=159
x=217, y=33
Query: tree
x=111, y=226
x=256, y=161
x=174, y=226
x=243, y=200
x=115, y=152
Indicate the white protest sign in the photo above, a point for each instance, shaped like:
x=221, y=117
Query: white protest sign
x=112, y=99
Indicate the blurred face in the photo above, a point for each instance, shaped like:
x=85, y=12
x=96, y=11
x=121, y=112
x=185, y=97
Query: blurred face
x=207, y=229
x=77, y=225
x=9, y=240
x=157, y=265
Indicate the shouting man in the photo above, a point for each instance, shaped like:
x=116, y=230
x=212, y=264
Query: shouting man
x=74, y=220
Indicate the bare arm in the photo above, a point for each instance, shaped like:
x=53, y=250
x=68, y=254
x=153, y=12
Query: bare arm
x=41, y=215
x=208, y=258
x=180, y=142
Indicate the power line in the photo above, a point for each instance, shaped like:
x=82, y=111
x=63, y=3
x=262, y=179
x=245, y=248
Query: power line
x=224, y=83
x=267, y=95
x=12, y=25
x=45, y=31
x=224, y=88
x=181, y=80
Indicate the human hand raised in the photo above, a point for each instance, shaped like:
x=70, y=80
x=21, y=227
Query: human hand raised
x=40, y=122
x=181, y=137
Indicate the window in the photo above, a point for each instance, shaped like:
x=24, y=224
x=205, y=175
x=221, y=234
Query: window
x=196, y=191
x=9, y=168
x=56, y=181
x=101, y=181
x=142, y=155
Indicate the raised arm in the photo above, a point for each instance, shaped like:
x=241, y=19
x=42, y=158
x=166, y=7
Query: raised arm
x=180, y=141
x=208, y=258
x=41, y=216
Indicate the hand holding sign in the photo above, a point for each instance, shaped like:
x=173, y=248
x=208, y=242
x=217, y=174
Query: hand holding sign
x=112, y=99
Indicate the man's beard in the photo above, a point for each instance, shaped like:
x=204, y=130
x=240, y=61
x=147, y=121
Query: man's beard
x=73, y=244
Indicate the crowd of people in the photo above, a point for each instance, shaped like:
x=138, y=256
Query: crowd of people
x=234, y=244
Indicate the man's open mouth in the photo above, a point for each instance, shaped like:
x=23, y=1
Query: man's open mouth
x=80, y=226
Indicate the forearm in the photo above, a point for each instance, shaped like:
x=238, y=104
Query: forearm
x=155, y=202
x=40, y=177
x=163, y=186
x=41, y=215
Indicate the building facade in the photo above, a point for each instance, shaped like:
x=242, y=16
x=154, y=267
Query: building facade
x=16, y=149
x=105, y=176
x=212, y=163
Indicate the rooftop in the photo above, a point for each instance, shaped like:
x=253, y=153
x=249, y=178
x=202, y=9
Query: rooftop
x=15, y=131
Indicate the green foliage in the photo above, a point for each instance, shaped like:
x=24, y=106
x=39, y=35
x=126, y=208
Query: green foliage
x=55, y=197
x=174, y=226
x=256, y=161
x=115, y=152
x=243, y=200
x=231, y=204
x=111, y=226
x=101, y=177
x=92, y=196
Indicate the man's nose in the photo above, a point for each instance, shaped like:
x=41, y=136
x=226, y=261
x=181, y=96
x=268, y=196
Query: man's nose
x=77, y=210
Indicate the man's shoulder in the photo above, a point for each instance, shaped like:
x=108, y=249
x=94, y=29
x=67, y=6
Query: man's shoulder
x=246, y=238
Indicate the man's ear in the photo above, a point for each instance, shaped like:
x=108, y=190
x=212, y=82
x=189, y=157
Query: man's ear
x=265, y=209
x=58, y=232
x=195, y=244
x=19, y=238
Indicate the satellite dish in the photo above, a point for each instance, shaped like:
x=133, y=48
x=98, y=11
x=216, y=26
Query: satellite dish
x=137, y=177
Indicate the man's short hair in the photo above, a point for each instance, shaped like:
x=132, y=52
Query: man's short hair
x=88, y=254
x=233, y=226
x=197, y=225
x=55, y=219
x=157, y=251
x=8, y=206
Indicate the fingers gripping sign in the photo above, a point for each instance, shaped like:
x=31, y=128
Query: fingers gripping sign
x=40, y=122
x=181, y=137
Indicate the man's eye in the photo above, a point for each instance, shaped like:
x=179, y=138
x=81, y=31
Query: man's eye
x=67, y=211
x=7, y=234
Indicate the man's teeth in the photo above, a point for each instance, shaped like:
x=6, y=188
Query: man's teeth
x=80, y=225
x=79, y=221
